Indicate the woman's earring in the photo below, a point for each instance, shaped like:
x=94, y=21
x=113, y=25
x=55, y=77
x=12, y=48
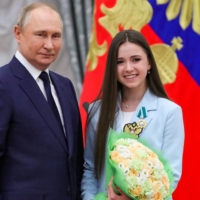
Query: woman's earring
x=148, y=72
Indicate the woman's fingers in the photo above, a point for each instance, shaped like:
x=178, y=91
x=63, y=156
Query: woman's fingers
x=112, y=195
x=111, y=192
x=119, y=190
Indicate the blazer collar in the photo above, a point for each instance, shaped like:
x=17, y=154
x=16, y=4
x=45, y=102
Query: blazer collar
x=32, y=90
x=149, y=101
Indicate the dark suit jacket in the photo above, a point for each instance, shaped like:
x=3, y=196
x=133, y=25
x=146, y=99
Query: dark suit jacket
x=37, y=162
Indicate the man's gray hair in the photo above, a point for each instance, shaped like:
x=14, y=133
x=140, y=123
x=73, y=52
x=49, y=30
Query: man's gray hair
x=23, y=16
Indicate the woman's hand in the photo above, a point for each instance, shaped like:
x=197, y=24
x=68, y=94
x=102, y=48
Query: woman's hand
x=113, y=196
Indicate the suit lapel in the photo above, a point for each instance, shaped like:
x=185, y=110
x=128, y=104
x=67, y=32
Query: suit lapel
x=64, y=99
x=30, y=87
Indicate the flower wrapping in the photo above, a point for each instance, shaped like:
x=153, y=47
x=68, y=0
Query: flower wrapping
x=138, y=170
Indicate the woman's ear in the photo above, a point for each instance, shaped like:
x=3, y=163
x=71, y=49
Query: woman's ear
x=149, y=66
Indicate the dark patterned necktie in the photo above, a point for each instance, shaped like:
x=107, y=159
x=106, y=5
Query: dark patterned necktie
x=45, y=78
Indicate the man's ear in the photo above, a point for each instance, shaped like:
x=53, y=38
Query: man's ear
x=17, y=33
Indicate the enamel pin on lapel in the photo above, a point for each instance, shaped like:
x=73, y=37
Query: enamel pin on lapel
x=142, y=114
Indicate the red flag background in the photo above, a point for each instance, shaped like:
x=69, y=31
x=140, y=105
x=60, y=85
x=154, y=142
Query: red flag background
x=172, y=28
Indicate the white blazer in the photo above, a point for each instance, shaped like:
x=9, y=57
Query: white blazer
x=164, y=131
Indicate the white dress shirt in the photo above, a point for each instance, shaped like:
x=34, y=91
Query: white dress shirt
x=35, y=73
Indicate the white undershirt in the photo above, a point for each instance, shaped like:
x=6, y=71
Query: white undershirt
x=35, y=74
x=126, y=118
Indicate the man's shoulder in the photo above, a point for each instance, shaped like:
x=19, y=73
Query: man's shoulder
x=58, y=76
x=4, y=70
x=62, y=80
x=7, y=67
x=4, y=66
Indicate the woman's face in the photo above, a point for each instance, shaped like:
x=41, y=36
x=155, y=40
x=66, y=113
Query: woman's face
x=132, y=66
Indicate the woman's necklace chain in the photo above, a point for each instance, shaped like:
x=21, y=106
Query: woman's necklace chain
x=127, y=105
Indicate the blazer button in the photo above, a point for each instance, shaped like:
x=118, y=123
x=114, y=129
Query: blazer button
x=69, y=192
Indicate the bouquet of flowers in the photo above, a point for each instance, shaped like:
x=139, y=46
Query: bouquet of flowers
x=138, y=171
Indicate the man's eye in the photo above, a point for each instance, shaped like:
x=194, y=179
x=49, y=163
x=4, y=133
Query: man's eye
x=57, y=36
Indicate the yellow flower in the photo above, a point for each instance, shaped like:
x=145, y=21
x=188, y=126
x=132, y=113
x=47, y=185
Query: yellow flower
x=153, y=155
x=114, y=154
x=158, y=196
x=133, y=172
x=165, y=180
x=136, y=191
x=157, y=185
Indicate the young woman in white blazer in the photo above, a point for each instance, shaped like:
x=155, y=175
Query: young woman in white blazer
x=131, y=91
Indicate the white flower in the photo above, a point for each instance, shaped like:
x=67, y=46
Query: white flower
x=141, y=178
x=150, y=164
x=145, y=173
x=126, y=170
x=121, y=165
x=123, y=151
x=150, y=194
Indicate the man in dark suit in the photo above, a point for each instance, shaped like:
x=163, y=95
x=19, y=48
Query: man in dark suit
x=41, y=148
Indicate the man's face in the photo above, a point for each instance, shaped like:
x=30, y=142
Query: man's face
x=41, y=39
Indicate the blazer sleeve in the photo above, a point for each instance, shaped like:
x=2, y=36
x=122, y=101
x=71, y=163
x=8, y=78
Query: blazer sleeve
x=5, y=115
x=89, y=185
x=173, y=142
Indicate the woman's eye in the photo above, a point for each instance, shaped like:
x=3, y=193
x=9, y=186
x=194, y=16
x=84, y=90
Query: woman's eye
x=119, y=61
x=136, y=59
